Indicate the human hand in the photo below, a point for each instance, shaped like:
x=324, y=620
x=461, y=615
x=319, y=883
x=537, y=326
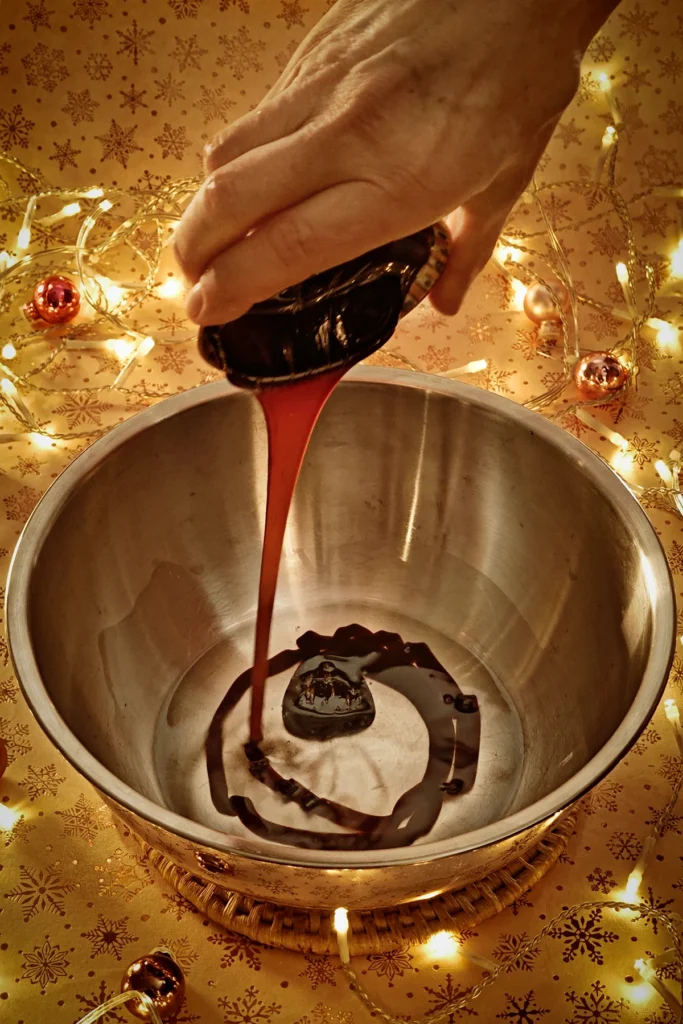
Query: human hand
x=390, y=115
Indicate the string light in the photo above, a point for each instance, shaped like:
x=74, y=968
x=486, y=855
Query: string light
x=145, y=1001
x=441, y=945
x=677, y=261
x=94, y=193
x=624, y=279
x=24, y=239
x=609, y=139
x=476, y=366
x=170, y=289
x=8, y=818
x=667, y=334
x=341, y=927
x=9, y=351
x=636, y=877
x=14, y=399
x=664, y=473
x=649, y=975
x=121, y=347
x=41, y=440
x=674, y=718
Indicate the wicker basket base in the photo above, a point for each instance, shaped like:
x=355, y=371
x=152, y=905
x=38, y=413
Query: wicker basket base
x=370, y=931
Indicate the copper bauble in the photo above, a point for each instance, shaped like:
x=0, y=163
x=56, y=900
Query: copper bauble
x=161, y=979
x=56, y=300
x=599, y=374
x=538, y=301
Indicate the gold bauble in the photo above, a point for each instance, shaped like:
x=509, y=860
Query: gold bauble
x=539, y=305
x=599, y=374
x=159, y=977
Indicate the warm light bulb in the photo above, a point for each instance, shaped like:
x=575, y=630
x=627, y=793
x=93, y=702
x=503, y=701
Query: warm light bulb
x=8, y=817
x=671, y=708
x=341, y=927
x=145, y=346
x=441, y=945
x=41, y=440
x=677, y=260
x=667, y=334
x=24, y=239
x=518, y=294
x=604, y=82
x=6, y=260
x=622, y=273
x=9, y=351
x=94, y=193
x=507, y=252
x=664, y=473
x=105, y=205
x=170, y=288
x=71, y=209
x=8, y=387
x=121, y=347
x=633, y=883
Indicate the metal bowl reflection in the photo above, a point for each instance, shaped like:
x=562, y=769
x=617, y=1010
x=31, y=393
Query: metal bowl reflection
x=428, y=507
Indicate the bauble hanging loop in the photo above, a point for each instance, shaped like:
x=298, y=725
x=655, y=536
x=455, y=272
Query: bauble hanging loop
x=56, y=300
x=158, y=976
x=600, y=375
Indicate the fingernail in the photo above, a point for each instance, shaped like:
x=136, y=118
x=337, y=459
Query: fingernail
x=194, y=303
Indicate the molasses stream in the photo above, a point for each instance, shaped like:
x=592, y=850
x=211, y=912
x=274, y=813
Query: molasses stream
x=291, y=351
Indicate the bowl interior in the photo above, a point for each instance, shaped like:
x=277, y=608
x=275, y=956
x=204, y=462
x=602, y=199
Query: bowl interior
x=438, y=514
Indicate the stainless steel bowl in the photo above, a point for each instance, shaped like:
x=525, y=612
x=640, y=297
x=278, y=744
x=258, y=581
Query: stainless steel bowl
x=427, y=507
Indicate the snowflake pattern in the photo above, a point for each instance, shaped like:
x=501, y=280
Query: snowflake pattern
x=38, y=15
x=118, y=144
x=90, y=10
x=15, y=734
x=522, y=1009
x=98, y=67
x=604, y=798
x=249, y=1008
x=83, y=409
x=649, y=906
x=124, y=876
x=671, y=67
x=40, y=889
x=8, y=691
x=241, y=53
x=109, y=937
x=319, y=970
x=14, y=128
x=602, y=880
x=177, y=905
x=641, y=450
x=45, y=965
x=292, y=13
x=173, y=141
x=392, y=964
x=594, y=1006
x=188, y=53
x=95, y=999
x=135, y=42
x=214, y=104
x=624, y=845
x=236, y=948
x=441, y=998
x=45, y=67
x=583, y=935
x=42, y=781
x=64, y=154
x=84, y=820
x=185, y=8
x=19, y=506
x=132, y=99
x=19, y=832
x=508, y=944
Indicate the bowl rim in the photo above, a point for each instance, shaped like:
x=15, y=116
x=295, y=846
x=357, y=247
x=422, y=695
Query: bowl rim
x=655, y=570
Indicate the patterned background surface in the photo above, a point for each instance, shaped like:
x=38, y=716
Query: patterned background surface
x=101, y=92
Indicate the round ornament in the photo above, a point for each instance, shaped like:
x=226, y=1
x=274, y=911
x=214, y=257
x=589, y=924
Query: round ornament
x=159, y=977
x=539, y=304
x=56, y=300
x=599, y=375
